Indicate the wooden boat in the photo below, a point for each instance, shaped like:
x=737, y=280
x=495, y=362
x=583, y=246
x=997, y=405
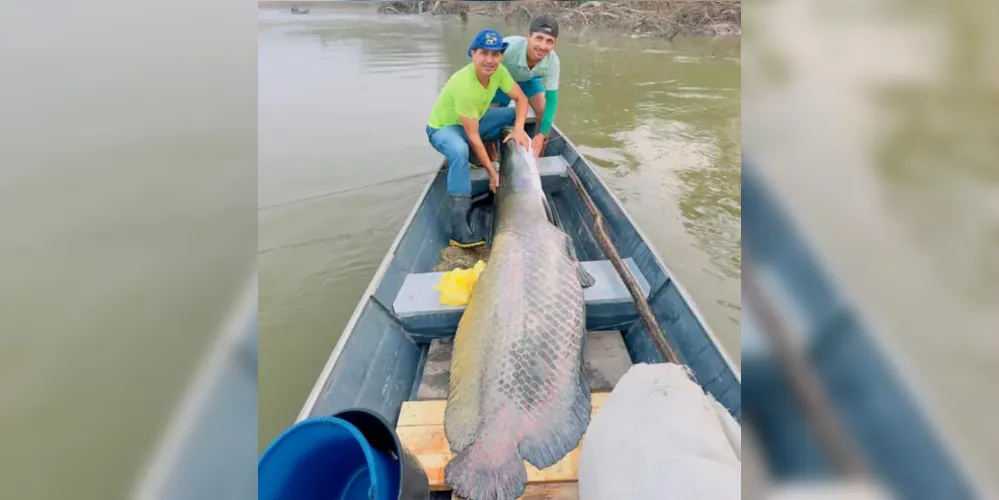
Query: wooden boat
x=888, y=428
x=393, y=356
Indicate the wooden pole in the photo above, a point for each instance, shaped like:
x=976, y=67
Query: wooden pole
x=805, y=384
x=656, y=331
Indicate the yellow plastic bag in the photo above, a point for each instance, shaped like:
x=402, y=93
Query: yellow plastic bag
x=455, y=286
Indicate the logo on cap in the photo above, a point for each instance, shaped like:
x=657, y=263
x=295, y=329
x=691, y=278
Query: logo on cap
x=490, y=39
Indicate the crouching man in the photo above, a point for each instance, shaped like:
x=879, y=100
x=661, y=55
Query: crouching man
x=462, y=122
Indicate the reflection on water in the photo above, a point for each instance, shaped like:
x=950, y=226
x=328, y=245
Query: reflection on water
x=344, y=97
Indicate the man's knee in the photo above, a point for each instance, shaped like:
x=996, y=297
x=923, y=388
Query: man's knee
x=452, y=145
x=457, y=152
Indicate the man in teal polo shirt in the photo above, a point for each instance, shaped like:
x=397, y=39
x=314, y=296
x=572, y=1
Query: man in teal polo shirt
x=462, y=122
x=530, y=61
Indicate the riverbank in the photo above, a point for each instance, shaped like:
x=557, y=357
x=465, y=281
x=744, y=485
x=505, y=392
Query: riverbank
x=663, y=19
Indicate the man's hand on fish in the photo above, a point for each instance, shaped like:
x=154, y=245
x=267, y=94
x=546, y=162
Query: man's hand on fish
x=520, y=137
x=537, y=144
x=493, y=179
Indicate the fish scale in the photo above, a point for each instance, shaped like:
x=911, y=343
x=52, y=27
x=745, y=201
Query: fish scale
x=517, y=388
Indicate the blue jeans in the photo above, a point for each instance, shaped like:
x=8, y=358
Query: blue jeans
x=452, y=142
x=531, y=88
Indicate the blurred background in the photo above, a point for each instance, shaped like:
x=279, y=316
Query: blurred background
x=128, y=196
x=873, y=125
x=127, y=236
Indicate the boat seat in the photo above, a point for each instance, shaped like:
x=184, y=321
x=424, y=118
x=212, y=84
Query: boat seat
x=548, y=166
x=608, y=303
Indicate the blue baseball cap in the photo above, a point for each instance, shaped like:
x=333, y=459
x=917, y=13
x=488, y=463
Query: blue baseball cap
x=488, y=39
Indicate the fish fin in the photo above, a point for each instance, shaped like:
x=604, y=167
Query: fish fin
x=586, y=279
x=487, y=470
x=462, y=413
x=461, y=416
x=550, y=212
x=559, y=431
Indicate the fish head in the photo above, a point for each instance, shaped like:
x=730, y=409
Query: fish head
x=519, y=172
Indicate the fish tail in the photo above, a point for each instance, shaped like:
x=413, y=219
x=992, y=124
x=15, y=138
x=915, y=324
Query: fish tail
x=487, y=471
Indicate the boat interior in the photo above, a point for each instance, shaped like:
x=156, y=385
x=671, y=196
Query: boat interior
x=396, y=349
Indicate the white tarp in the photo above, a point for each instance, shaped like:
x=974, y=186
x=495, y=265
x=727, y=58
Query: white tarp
x=658, y=435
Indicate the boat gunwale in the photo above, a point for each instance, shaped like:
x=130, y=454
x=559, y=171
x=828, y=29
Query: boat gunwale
x=320, y=385
x=684, y=294
x=872, y=331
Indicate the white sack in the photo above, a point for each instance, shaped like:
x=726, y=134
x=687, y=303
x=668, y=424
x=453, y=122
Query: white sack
x=733, y=431
x=659, y=435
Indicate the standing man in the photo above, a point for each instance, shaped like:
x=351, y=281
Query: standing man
x=530, y=61
x=462, y=122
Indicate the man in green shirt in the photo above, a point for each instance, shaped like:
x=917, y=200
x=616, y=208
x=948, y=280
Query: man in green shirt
x=462, y=121
x=531, y=60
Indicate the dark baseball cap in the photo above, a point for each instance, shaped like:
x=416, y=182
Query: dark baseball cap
x=544, y=24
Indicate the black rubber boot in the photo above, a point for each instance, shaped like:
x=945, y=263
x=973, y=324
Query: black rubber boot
x=461, y=234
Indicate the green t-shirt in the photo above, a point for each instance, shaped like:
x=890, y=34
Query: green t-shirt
x=463, y=95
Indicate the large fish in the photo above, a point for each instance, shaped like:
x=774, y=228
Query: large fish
x=517, y=388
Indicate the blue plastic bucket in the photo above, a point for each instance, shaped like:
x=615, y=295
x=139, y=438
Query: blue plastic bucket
x=351, y=455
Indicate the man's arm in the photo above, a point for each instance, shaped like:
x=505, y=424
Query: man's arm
x=520, y=98
x=551, y=103
x=513, y=90
x=551, y=95
x=469, y=121
x=471, y=126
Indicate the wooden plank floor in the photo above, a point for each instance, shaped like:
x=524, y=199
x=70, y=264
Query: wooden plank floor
x=421, y=422
x=421, y=430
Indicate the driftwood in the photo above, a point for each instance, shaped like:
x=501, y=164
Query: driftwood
x=640, y=17
x=433, y=7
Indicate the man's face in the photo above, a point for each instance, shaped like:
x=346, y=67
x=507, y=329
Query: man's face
x=486, y=61
x=540, y=44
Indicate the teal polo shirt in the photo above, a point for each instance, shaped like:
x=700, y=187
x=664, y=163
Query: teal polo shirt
x=515, y=60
